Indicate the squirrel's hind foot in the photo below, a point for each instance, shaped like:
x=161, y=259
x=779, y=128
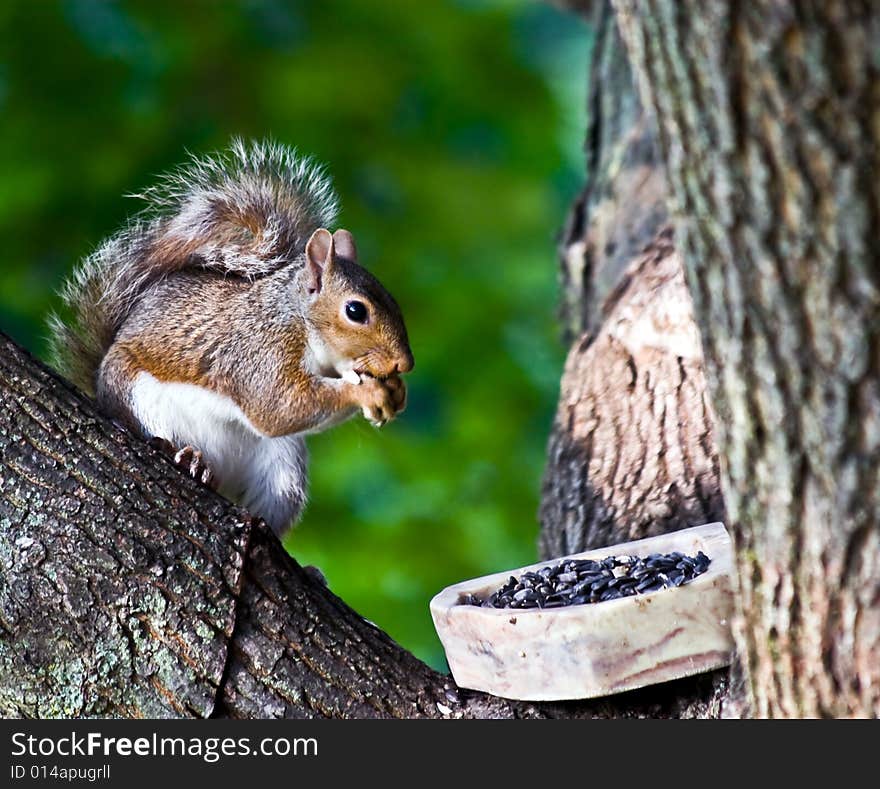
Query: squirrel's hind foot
x=189, y=459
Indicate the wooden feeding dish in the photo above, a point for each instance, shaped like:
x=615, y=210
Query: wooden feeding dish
x=593, y=649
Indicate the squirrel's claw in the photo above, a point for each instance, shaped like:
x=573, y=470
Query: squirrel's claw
x=162, y=444
x=398, y=393
x=383, y=399
x=191, y=460
x=315, y=574
x=373, y=416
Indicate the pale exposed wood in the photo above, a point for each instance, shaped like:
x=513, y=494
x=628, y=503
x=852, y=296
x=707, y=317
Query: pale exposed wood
x=632, y=453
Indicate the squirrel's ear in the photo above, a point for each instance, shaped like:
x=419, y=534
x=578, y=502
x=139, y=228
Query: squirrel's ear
x=343, y=244
x=319, y=255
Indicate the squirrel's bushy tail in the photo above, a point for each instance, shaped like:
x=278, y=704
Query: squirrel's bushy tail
x=243, y=212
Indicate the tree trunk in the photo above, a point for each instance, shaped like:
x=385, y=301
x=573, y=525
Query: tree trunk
x=632, y=452
x=128, y=589
x=623, y=203
x=770, y=119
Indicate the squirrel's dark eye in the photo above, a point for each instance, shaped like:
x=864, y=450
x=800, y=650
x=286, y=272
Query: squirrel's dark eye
x=356, y=311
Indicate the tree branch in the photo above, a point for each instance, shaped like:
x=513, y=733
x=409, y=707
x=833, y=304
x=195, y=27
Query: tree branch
x=128, y=589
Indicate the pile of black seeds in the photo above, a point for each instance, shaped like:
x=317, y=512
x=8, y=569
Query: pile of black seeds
x=578, y=581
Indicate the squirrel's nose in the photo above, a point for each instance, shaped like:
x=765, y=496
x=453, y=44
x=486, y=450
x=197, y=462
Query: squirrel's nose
x=405, y=364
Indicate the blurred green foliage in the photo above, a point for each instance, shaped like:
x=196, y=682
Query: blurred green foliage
x=453, y=131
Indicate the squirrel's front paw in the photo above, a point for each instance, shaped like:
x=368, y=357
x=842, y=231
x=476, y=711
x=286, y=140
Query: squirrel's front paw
x=397, y=387
x=381, y=399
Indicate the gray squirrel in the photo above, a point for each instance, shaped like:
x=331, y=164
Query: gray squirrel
x=226, y=322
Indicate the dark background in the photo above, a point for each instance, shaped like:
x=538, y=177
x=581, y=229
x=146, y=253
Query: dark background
x=453, y=132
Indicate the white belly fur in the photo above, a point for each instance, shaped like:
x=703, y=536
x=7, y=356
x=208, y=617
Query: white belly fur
x=266, y=475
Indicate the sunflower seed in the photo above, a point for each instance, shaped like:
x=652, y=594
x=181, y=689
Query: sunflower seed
x=580, y=581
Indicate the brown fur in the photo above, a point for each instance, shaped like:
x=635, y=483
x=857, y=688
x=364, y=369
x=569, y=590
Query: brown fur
x=246, y=212
x=226, y=282
x=232, y=283
x=249, y=341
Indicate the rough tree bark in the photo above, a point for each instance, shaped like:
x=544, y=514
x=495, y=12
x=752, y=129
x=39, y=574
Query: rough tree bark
x=770, y=130
x=631, y=452
x=623, y=203
x=128, y=589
